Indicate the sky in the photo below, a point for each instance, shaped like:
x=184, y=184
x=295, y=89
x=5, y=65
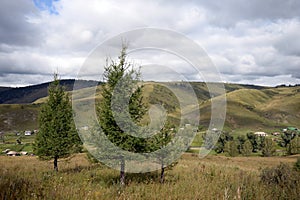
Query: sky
x=249, y=42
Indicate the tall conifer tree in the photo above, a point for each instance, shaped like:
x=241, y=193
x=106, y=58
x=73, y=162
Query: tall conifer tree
x=57, y=136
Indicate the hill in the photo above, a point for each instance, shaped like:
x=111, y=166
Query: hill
x=249, y=107
x=266, y=109
x=16, y=117
x=29, y=94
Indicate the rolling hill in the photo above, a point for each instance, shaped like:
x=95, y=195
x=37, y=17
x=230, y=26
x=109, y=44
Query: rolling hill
x=29, y=94
x=267, y=109
x=249, y=107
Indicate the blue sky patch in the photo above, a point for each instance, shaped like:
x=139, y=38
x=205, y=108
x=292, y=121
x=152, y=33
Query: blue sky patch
x=46, y=5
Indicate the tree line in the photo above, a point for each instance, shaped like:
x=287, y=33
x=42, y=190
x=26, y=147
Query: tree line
x=250, y=143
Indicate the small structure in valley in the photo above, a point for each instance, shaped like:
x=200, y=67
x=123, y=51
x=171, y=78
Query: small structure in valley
x=27, y=133
x=262, y=134
x=6, y=151
x=24, y=153
x=276, y=133
x=13, y=153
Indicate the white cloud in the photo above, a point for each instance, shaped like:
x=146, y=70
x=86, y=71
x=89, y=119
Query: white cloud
x=248, y=41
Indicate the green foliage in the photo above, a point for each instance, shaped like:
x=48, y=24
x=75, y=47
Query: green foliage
x=247, y=148
x=223, y=139
x=121, y=109
x=241, y=140
x=231, y=148
x=261, y=142
x=57, y=136
x=254, y=141
x=268, y=147
x=122, y=88
x=287, y=136
x=294, y=146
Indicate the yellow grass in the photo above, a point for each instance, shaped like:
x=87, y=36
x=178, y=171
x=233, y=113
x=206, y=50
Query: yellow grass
x=214, y=177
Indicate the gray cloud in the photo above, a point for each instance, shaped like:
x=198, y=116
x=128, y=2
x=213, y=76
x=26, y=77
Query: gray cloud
x=230, y=12
x=288, y=43
x=249, y=41
x=15, y=25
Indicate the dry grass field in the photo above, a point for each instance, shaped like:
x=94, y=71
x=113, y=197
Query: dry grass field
x=213, y=177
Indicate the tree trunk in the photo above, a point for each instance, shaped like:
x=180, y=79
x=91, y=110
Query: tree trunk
x=55, y=163
x=162, y=173
x=122, y=172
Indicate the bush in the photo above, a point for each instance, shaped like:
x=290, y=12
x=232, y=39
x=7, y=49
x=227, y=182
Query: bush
x=231, y=147
x=294, y=146
x=297, y=165
x=269, y=147
x=247, y=148
x=282, y=175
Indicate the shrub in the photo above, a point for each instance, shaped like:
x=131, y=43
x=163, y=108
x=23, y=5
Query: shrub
x=297, y=165
x=282, y=175
x=268, y=148
x=247, y=148
x=231, y=147
x=294, y=146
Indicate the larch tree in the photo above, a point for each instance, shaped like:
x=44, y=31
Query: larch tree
x=122, y=108
x=57, y=136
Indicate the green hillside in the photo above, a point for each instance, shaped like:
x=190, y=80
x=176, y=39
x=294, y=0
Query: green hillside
x=265, y=109
x=249, y=107
x=16, y=117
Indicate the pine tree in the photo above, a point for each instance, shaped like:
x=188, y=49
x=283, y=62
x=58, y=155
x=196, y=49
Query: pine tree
x=57, y=136
x=121, y=93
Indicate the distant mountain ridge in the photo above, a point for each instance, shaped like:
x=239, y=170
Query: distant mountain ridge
x=249, y=107
x=29, y=94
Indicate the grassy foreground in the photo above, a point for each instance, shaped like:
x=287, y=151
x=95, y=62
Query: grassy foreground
x=214, y=177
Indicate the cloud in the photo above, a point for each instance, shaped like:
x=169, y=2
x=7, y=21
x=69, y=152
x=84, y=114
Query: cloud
x=15, y=26
x=249, y=41
x=229, y=12
x=288, y=43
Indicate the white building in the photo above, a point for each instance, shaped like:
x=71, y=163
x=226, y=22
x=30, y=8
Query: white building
x=27, y=133
x=263, y=134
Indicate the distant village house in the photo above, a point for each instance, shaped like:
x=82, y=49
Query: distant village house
x=262, y=134
x=13, y=153
x=27, y=133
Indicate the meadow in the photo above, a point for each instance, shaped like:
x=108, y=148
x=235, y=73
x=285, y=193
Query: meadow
x=213, y=177
x=249, y=109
